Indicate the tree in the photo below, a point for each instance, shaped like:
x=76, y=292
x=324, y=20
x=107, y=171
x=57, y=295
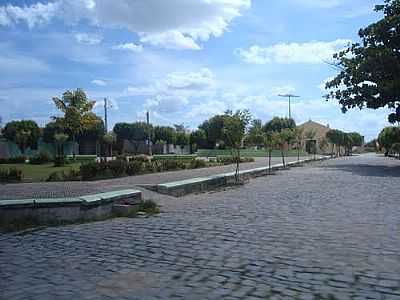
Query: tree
x=311, y=143
x=198, y=139
x=182, y=139
x=135, y=133
x=165, y=134
x=323, y=144
x=60, y=139
x=234, y=130
x=388, y=137
x=110, y=139
x=298, y=136
x=284, y=138
x=255, y=135
x=335, y=137
x=396, y=149
x=24, y=133
x=213, y=129
x=271, y=141
x=370, y=70
x=51, y=129
x=278, y=124
x=77, y=112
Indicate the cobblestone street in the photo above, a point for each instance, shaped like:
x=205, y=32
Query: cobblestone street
x=328, y=230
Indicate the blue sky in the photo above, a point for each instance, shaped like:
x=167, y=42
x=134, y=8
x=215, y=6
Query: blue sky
x=184, y=60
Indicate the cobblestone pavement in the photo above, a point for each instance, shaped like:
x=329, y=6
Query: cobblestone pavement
x=329, y=230
x=72, y=189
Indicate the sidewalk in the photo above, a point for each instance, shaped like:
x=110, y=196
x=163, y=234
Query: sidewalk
x=74, y=189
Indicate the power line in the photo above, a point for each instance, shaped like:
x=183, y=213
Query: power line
x=289, y=96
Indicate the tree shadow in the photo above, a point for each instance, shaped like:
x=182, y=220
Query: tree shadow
x=368, y=170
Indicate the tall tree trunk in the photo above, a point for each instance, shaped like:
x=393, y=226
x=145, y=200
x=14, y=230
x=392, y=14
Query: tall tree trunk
x=298, y=151
x=269, y=160
x=283, y=156
x=237, y=166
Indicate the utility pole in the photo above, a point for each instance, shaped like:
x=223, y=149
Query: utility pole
x=105, y=115
x=149, y=133
x=289, y=96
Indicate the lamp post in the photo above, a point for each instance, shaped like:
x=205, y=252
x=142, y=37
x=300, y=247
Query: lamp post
x=289, y=96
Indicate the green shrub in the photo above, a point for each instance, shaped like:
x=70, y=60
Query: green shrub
x=117, y=167
x=171, y=165
x=141, y=158
x=60, y=161
x=197, y=164
x=41, y=158
x=13, y=160
x=228, y=160
x=134, y=167
x=11, y=175
x=71, y=175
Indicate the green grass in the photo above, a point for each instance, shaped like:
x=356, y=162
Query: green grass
x=246, y=153
x=36, y=173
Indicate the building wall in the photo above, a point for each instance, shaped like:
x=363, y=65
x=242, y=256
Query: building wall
x=321, y=131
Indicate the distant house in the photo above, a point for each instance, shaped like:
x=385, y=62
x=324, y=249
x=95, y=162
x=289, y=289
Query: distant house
x=323, y=146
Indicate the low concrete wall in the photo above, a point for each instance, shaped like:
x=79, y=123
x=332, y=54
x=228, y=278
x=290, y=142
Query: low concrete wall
x=68, y=210
x=196, y=185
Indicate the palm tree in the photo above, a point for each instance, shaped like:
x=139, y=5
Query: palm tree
x=77, y=112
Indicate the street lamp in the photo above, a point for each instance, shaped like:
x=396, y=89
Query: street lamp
x=289, y=96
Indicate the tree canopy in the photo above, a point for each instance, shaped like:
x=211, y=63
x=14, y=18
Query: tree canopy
x=24, y=133
x=370, y=70
x=278, y=124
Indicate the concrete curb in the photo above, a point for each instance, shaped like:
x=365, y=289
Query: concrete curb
x=202, y=184
x=71, y=209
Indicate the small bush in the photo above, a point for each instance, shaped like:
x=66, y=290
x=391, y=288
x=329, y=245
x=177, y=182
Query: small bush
x=71, y=175
x=171, y=165
x=141, y=158
x=227, y=160
x=41, y=158
x=11, y=175
x=134, y=168
x=13, y=160
x=197, y=164
x=117, y=167
x=60, y=161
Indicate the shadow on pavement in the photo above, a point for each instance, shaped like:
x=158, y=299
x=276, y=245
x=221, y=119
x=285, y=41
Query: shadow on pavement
x=368, y=170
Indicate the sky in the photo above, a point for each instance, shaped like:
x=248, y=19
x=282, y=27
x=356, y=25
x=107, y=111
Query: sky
x=182, y=60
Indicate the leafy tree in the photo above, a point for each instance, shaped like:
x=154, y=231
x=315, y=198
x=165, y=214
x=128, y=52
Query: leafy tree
x=271, y=141
x=166, y=134
x=76, y=108
x=323, y=143
x=110, y=139
x=24, y=133
x=388, y=137
x=396, y=149
x=135, y=133
x=198, y=139
x=234, y=130
x=370, y=70
x=60, y=139
x=255, y=135
x=285, y=138
x=298, y=137
x=278, y=124
x=51, y=129
x=182, y=139
x=213, y=129
x=335, y=137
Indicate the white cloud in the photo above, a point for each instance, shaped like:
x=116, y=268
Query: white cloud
x=170, y=40
x=315, y=52
x=173, y=24
x=320, y=3
x=129, y=46
x=32, y=15
x=99, y=82
x=90, y=39
x=22, y=64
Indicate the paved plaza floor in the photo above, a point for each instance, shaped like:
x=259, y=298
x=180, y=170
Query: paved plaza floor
x=73, y=189
x=328, y=230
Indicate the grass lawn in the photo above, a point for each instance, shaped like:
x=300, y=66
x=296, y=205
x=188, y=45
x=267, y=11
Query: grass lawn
x=36, y=173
